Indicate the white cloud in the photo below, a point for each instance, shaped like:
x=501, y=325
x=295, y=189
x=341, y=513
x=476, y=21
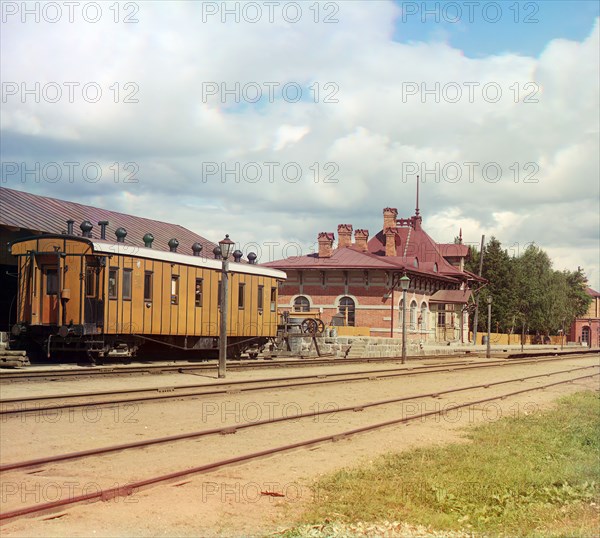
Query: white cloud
x=373, y=129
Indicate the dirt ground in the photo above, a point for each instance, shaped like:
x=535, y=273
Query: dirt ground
x=254, y=498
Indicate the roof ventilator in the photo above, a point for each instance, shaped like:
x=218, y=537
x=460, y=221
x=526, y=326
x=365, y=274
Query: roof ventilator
x=121, y=233
x=148, y=239
x=86, y=228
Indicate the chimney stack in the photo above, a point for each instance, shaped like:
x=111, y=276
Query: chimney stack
x=360, y=239
x=103, y=224
x=325, y=244
x=390, y=215
x=344, y=235
x=70, y=224
x=390, y=241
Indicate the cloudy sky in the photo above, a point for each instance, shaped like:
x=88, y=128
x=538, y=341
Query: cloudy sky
x=273, y=121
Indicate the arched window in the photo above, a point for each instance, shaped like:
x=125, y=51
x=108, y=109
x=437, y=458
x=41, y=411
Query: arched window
x=435, y=267
x=413, y=316
x=416, y=262
x=347, y=307
x=301, y=304
x=423, y=316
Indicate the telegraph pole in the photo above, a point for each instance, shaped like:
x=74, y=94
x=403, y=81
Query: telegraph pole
x=475, y=320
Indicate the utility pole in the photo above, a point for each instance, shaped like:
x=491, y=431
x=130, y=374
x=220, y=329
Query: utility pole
x=475, y=320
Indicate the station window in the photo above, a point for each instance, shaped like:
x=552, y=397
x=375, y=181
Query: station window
x=273, y=299
x=174, y=289
x=261, y=296
x=301, y=304
x=148, y=286
x=90, y=282
x=127, y=284
x=347, y=309
x=51, y=282
x=113, y=278
x=198, y=292
x=241, y=295
x=441, y=315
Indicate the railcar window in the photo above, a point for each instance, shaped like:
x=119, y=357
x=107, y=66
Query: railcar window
x=174, y=289
x=273, y=299
x=198, y=292
x=148, y=286
x=127, y=284
x=113, y=275
x=51, y=282
x=241, y=295
x=90, y=282
x=261, y=295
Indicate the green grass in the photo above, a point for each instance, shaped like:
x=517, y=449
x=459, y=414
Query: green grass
x=536, y=475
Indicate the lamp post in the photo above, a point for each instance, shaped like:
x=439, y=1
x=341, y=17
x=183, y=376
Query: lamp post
x=226, y=245
x=488, y=350
x=404, y=283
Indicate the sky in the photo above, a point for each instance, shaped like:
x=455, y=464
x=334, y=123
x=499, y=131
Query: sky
x=274, y=121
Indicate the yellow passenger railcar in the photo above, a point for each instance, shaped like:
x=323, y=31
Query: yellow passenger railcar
x=82, y=295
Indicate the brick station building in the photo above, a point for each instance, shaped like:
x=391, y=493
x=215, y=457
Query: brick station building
x=360, y=279
x=586, y=329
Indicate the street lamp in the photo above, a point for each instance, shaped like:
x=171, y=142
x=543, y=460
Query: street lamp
x=226, y=246
x=404, y=283
x=488, y=351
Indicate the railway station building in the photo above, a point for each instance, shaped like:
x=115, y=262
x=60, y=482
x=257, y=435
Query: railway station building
x=585, y=330
x=23, y=214
x=357, y=282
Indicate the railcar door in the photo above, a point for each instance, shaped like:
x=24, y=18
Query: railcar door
x=94, y=300
x=49, y=295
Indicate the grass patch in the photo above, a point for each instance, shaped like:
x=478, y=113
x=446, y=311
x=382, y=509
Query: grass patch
x=536, y=475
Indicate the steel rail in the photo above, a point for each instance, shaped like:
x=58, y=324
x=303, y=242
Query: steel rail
x=232, y=429
x=240, y=382
x=250, y=364
x=133, y=487
x=208, y=366
x=321, y=380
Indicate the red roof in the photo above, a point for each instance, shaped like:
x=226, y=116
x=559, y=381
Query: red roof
x=27, y=211
x=451, y=296
x=453, y=250
x=416, y=253
x=592, y=293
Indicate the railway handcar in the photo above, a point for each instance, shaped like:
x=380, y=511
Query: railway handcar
x=79, y=295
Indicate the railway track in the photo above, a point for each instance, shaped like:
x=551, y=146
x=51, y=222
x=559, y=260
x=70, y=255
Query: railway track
x=134, y=486
x=39, y=404
x=53, y=374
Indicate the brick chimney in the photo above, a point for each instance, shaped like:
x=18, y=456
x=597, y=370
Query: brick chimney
x=390, y=241
x=344, y=235
x=325, y=244
x=360, y=239
x=389, y=217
